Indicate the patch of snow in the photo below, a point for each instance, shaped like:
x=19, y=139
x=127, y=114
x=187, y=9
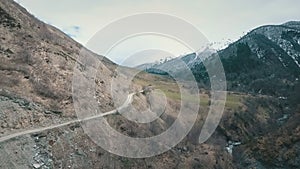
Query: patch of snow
x=229, y=149
x=37, y=165
x=236, y=143
x=231, y=145
x=294, y=58
x=282, y=98
x=195, y=58
x=285, y=116
x=281, y=60
x=259, y=53
x=288, y=48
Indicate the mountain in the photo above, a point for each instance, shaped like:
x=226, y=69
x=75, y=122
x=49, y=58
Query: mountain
x=37, y=60
x=265, y=61
x=263, y=66
x=39, y=127
x=36, y=70
x=177, y=66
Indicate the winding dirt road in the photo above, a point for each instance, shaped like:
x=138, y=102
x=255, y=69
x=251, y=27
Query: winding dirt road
x=126, y=103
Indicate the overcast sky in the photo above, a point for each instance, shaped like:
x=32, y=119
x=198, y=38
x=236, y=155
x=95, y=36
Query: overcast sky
x=218, y=20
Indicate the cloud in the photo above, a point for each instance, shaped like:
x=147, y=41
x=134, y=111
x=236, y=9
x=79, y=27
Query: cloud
x=72, y=31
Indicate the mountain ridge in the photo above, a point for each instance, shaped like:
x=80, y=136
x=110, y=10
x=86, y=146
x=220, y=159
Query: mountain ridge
x=269, y=50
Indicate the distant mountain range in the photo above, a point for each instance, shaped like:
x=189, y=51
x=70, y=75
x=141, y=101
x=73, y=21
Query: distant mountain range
x=266, y=61
x=177, y=65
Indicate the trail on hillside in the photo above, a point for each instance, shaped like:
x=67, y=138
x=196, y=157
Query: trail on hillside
x=31, y=131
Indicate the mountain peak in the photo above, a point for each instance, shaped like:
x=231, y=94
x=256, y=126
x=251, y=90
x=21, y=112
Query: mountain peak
x=292, y=24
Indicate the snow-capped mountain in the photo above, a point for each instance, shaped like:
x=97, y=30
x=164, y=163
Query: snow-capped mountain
x=266, y=60
x=177, y=65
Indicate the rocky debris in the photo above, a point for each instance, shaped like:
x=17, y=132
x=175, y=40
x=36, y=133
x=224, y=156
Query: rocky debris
x=37, y=165
x=147, y=89
x=183, y=149
x=18, y=114
x=7, y=20
x=42, y=149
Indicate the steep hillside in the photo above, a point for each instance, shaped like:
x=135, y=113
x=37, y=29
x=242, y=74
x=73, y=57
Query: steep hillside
x=37, y=60
x=265, y=61
x=38, y=125
x=40, y=129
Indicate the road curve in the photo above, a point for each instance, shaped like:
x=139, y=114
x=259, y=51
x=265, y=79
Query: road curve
x=126, y=103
